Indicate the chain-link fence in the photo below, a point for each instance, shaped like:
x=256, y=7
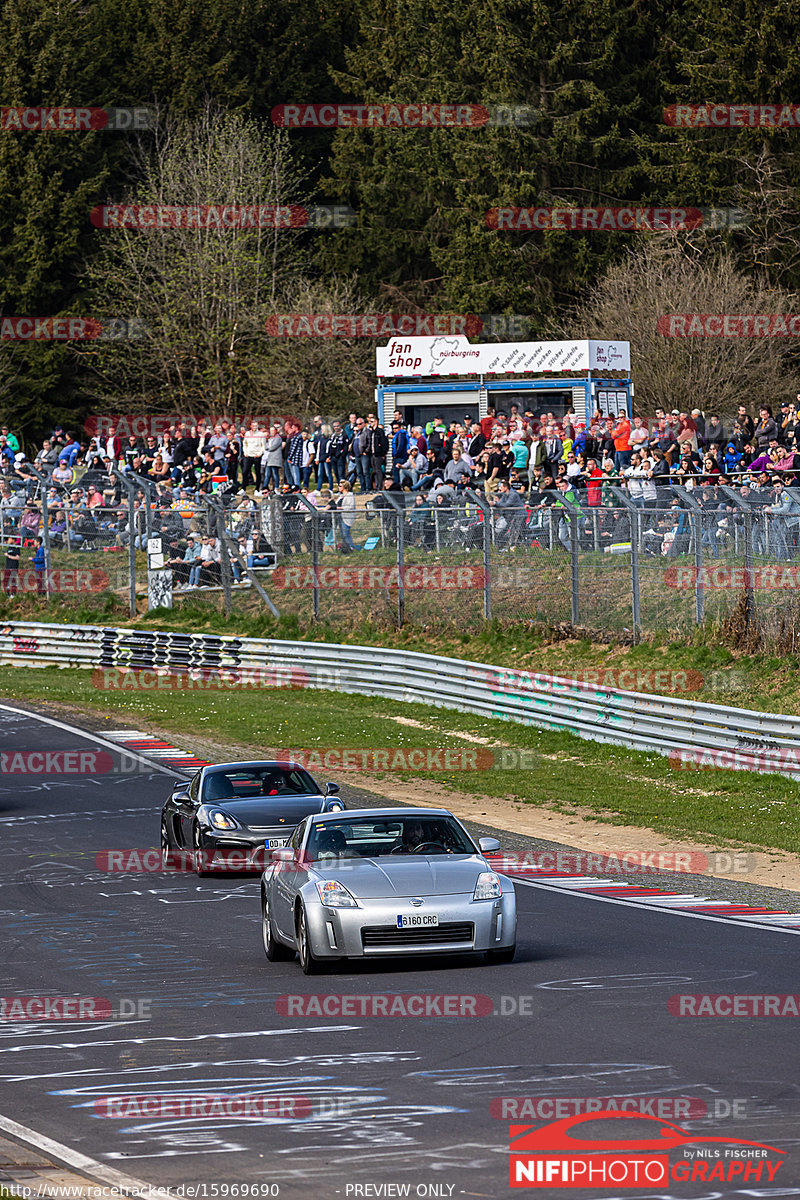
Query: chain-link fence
x=445, y=560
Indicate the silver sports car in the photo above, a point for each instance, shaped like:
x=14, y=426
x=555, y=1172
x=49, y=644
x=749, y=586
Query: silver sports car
x=375, y=882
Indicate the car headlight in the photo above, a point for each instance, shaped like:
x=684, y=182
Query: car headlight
x=217, y=819
x=488, y=887
x=334, y=894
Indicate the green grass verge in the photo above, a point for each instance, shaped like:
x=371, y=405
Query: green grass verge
x=569, y=774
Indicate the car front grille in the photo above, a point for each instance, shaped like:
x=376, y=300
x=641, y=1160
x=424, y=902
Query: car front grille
x=381, y=936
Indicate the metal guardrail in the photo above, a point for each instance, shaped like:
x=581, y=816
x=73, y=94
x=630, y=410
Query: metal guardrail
x=765, y=742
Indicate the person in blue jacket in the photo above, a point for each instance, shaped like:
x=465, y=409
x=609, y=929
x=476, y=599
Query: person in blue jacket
x=39, y=565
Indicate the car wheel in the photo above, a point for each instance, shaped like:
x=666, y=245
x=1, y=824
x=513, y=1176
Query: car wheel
x=310, y=964
x=506, y=955
x=199, y=853
x=274, y=950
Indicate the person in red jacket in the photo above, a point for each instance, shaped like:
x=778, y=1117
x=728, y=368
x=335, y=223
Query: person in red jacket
x=487, y=424
x=622, y=447
x=594, y=478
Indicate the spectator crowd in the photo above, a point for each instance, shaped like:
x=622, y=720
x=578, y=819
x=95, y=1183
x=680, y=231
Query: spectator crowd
x=522, y=464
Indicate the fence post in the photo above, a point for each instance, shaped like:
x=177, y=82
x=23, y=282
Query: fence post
x=485, y=511
x=401, y=562
x=748, y=566
x=130, y=490
x=572, y=518
x=45, y=529
x=699, y=591
x=313, y=519
x=635, y=581
x=224, y=559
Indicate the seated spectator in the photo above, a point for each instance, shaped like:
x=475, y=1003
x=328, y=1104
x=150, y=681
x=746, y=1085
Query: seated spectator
x=63, y=474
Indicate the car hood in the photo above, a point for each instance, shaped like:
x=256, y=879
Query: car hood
x=265, y=811
x=389, y=876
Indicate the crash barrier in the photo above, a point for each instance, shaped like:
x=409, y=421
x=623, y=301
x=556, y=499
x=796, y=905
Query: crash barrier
x=690, y=732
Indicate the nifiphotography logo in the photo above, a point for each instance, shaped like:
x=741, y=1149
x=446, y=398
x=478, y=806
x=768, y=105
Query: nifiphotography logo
x=570, y=1154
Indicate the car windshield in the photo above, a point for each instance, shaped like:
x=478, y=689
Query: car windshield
x=241, y=783
x=383, y=836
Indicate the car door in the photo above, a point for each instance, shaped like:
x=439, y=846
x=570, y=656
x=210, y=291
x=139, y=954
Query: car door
x=187, y=804
x=286, y=879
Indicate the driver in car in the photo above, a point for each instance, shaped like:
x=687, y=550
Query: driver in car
x=415, y=835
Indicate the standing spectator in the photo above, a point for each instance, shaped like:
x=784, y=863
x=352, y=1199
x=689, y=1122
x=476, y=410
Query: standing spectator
x=361, y=453
x=746, y=422
x=323, y=456
x=715, y=433
x=272, y=461
x=621, y=435
x=766, y=428
x=294, y=455
x=377, y=449
x=39, y=565
x=347, y=514
x=554, y=450
x=254, y=444
x=639, y=437
x=337, y=453
x=399, y=448
x=308, y=457
x=11, y=570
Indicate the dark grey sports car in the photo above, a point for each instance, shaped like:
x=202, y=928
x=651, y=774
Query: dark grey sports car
x=232, y=814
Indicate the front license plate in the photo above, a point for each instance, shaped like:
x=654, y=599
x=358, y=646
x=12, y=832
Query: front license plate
x=416, y=920
x=276, y=843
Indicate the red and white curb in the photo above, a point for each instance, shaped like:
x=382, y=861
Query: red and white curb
x=616, y=891
x=620, y=891
x=153, y=747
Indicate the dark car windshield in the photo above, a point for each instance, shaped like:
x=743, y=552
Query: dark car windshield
x=241, y=783
x=330, y=838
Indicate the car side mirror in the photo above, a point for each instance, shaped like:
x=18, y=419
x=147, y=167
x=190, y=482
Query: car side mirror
x=281, y=853
x=331, y=789
x=488, y=845
x=181, y=790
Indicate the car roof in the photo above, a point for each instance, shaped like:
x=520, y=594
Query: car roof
x=255, y=762
x=349, y=813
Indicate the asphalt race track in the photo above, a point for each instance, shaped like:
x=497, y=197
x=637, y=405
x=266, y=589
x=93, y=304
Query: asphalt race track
x=406, y=1101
